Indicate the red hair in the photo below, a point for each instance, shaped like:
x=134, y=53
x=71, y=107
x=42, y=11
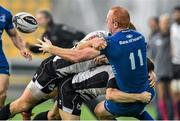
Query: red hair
x=121, y=16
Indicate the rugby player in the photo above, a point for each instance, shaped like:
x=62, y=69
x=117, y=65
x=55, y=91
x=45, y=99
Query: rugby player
x=7, y=25
x=126, y=52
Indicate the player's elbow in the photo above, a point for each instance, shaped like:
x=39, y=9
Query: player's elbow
x=109, y=94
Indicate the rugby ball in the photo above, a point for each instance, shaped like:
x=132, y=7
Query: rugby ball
x=25, y=22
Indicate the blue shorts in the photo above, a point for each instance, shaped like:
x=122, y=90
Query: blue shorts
x=126, y=109
x=4, y=66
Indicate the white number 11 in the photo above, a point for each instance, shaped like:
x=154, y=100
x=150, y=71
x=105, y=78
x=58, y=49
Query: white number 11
x=132, y=59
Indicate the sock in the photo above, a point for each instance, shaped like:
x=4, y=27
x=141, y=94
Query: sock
x=178, y=109
x=26, y=115
x=5, y=112
x=41, y=116
x=145, y=116
x=170, y=109
x=163, y=109
x=175, y=110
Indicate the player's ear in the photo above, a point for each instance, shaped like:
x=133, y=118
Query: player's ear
x=116, y=24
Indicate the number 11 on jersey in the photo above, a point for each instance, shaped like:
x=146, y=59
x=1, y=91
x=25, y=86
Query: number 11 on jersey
x=132, y=59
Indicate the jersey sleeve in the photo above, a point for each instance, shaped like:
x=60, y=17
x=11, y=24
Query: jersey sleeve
x=112, y=83
x=9, y=23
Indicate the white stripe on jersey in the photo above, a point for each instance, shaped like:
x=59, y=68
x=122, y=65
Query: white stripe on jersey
x=80, y=77
x=74, y=68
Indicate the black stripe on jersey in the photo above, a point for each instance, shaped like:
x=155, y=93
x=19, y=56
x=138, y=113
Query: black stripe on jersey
x=97, y=81
x=61, y=63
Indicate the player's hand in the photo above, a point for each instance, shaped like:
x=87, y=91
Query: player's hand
x=44, y=45
x=152, y=78
x=26, y=54
x=98, y=43
x=145, y=97
x=101, y=60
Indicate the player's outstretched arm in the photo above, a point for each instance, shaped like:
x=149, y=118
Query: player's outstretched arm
x=123, y=97
x=96, y=42
x=19, y=43
x=73, y=55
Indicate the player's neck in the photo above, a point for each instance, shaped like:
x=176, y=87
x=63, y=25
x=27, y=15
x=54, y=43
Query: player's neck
x=118, y=30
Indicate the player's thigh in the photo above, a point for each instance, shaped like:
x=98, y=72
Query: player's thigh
x=4, y=82
x=101, y=112
x=26, y=101
x=68, y=116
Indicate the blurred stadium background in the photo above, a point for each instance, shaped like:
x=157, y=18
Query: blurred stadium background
x=85, y=15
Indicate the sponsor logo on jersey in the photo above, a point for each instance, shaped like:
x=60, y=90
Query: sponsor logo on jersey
x=2, y=18
x=129, y=36
x=130, y=40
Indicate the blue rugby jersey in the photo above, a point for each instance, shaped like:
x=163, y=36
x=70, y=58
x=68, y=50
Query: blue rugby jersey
x=126, y=52
x=5, y=24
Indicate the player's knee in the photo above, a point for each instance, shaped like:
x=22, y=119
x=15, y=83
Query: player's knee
x=3, y=94
x=98, y=112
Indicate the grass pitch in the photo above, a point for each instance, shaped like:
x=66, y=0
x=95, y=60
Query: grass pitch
x=85, y=115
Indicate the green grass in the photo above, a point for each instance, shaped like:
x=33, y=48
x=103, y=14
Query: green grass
x=85, y=115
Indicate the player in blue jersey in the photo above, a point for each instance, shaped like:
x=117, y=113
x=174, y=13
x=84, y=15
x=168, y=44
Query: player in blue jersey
x=7, y=25
x=126, y=52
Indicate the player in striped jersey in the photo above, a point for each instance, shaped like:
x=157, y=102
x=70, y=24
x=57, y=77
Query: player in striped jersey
x=46, y=79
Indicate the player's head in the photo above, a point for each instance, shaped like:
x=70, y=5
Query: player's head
x=164, y=23
x=117, y=18
x=153, y=24
x=44, y=18
x=176, y=14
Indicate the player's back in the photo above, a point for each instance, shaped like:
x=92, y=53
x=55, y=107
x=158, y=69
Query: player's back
x=126, y=52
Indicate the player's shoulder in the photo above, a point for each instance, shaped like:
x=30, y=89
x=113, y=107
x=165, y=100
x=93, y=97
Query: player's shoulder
x=5, y=11
x=135, y=32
